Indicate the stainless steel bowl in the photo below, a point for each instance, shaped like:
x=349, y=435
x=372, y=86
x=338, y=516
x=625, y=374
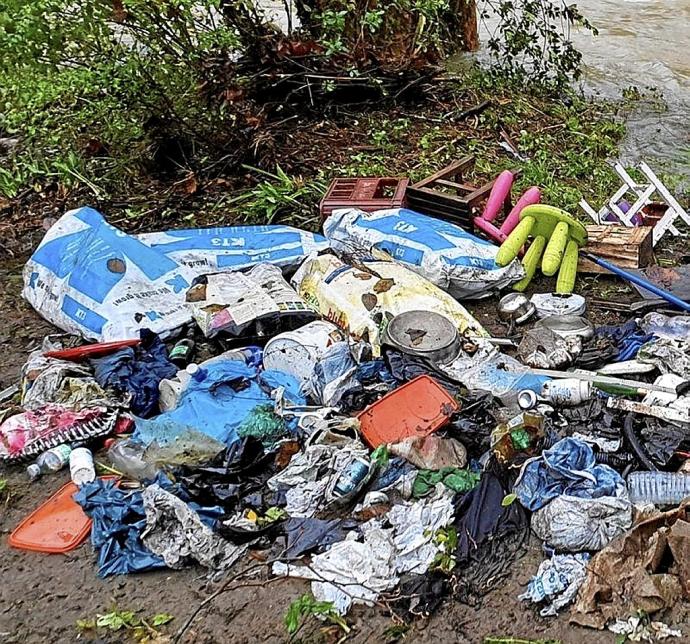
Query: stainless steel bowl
x=515, y=307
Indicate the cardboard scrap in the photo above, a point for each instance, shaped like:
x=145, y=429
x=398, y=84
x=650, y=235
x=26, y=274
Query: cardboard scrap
x=648, y=569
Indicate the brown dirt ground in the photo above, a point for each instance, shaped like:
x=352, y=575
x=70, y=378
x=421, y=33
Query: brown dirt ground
x=42, y=596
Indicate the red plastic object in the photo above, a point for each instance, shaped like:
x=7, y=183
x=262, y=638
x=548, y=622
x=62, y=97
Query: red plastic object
x=57, y=526
x=91, y=350
x=418, y=408
x=368, y=194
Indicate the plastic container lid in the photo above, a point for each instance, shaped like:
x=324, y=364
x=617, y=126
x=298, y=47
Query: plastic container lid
x=57, y=526
x=418, y=408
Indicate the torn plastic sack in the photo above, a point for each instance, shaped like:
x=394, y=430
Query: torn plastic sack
x=453, y=478
x=137, y=372
x=446, y=255
x=221, y=400
x=667, y=327
x=570, y=468
x=258, y=302
x=118, y=520
x=639, y=629
x=175, y=533
x=30, y=433
x=574, y=524
x=90, y=278
x=557, y=581
x=431, y=452
x=309, y=535
x=362, y=298
x=647, y=569
x=240, y=470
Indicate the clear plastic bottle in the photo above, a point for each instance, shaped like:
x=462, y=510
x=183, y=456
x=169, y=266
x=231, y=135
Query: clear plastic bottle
x=659, y=488
x=81, y=466
x=51, y=460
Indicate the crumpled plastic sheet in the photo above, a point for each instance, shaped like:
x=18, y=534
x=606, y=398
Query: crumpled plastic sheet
x=669, y=356
x=639, y=629
x=569, y=467
x=334, y=374
x=545, y=349
x=306, y=535
x=53, y=381
x=628, y=338
x=219, y=404
x=137, y=371
x=557, y=581
x=455, y=479
x=359, y=571
x=574, y=524
x=431, y=452
x=176, y=533
x=309, y=474
x=118, y=521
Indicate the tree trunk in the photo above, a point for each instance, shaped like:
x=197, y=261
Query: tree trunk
x=466, y=12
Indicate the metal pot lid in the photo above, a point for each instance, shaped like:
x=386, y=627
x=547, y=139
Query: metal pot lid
x=424, y=333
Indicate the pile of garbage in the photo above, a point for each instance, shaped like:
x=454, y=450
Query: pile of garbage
x=330, y=402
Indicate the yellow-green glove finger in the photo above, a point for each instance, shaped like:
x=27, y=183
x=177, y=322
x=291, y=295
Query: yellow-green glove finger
x=554, y=249
x=566, y=276
x=530, y=262
x=516, y=240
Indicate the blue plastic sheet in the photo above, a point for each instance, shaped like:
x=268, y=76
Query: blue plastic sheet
x=137, y=371
x=218, y=404
x=569, y=467
x=119, y=519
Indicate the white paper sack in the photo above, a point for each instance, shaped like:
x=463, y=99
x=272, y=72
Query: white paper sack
x=447, y=255
x=92, y=279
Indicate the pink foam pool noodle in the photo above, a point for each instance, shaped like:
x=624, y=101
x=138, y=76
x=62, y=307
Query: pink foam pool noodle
x=498, y=195
x=529, y=197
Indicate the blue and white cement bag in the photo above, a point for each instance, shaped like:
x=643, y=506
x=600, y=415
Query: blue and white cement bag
x=92, y=279
x=449, y=257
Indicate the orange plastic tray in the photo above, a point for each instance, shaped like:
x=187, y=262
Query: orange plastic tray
x=418, y=408
x=57, y=526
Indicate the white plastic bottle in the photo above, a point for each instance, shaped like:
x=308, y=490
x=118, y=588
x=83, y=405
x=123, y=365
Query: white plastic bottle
x=659, y=488
x=81, y=466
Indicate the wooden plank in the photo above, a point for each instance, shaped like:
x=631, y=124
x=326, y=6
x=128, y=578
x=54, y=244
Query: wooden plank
x=456, y=166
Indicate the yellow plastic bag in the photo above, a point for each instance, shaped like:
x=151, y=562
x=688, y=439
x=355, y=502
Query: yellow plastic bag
x=364, y=297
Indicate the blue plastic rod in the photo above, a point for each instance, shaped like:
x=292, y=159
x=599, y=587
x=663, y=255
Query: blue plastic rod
x=635, y=279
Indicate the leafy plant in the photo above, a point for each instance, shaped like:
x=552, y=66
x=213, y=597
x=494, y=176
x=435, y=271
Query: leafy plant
x=307, y=606
x=116, y=620
x=447, y=541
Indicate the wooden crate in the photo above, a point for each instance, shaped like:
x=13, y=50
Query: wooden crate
x=447, y=195
x=620, y=245
x=366, y=193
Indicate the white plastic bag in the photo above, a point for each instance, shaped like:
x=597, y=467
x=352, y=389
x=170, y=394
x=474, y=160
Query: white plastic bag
x=447, y=255
x=90, y=278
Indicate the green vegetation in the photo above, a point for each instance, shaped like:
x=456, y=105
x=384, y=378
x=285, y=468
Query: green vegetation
x=136, y=628
x=306, y=607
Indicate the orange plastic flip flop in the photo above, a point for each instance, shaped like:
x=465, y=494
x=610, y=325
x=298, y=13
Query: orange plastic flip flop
x=418, y=408
x=57, y=526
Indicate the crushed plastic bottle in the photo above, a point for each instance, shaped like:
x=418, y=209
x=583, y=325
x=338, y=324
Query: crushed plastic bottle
x=127, y=456
x=659, y=488
x=51, y=460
